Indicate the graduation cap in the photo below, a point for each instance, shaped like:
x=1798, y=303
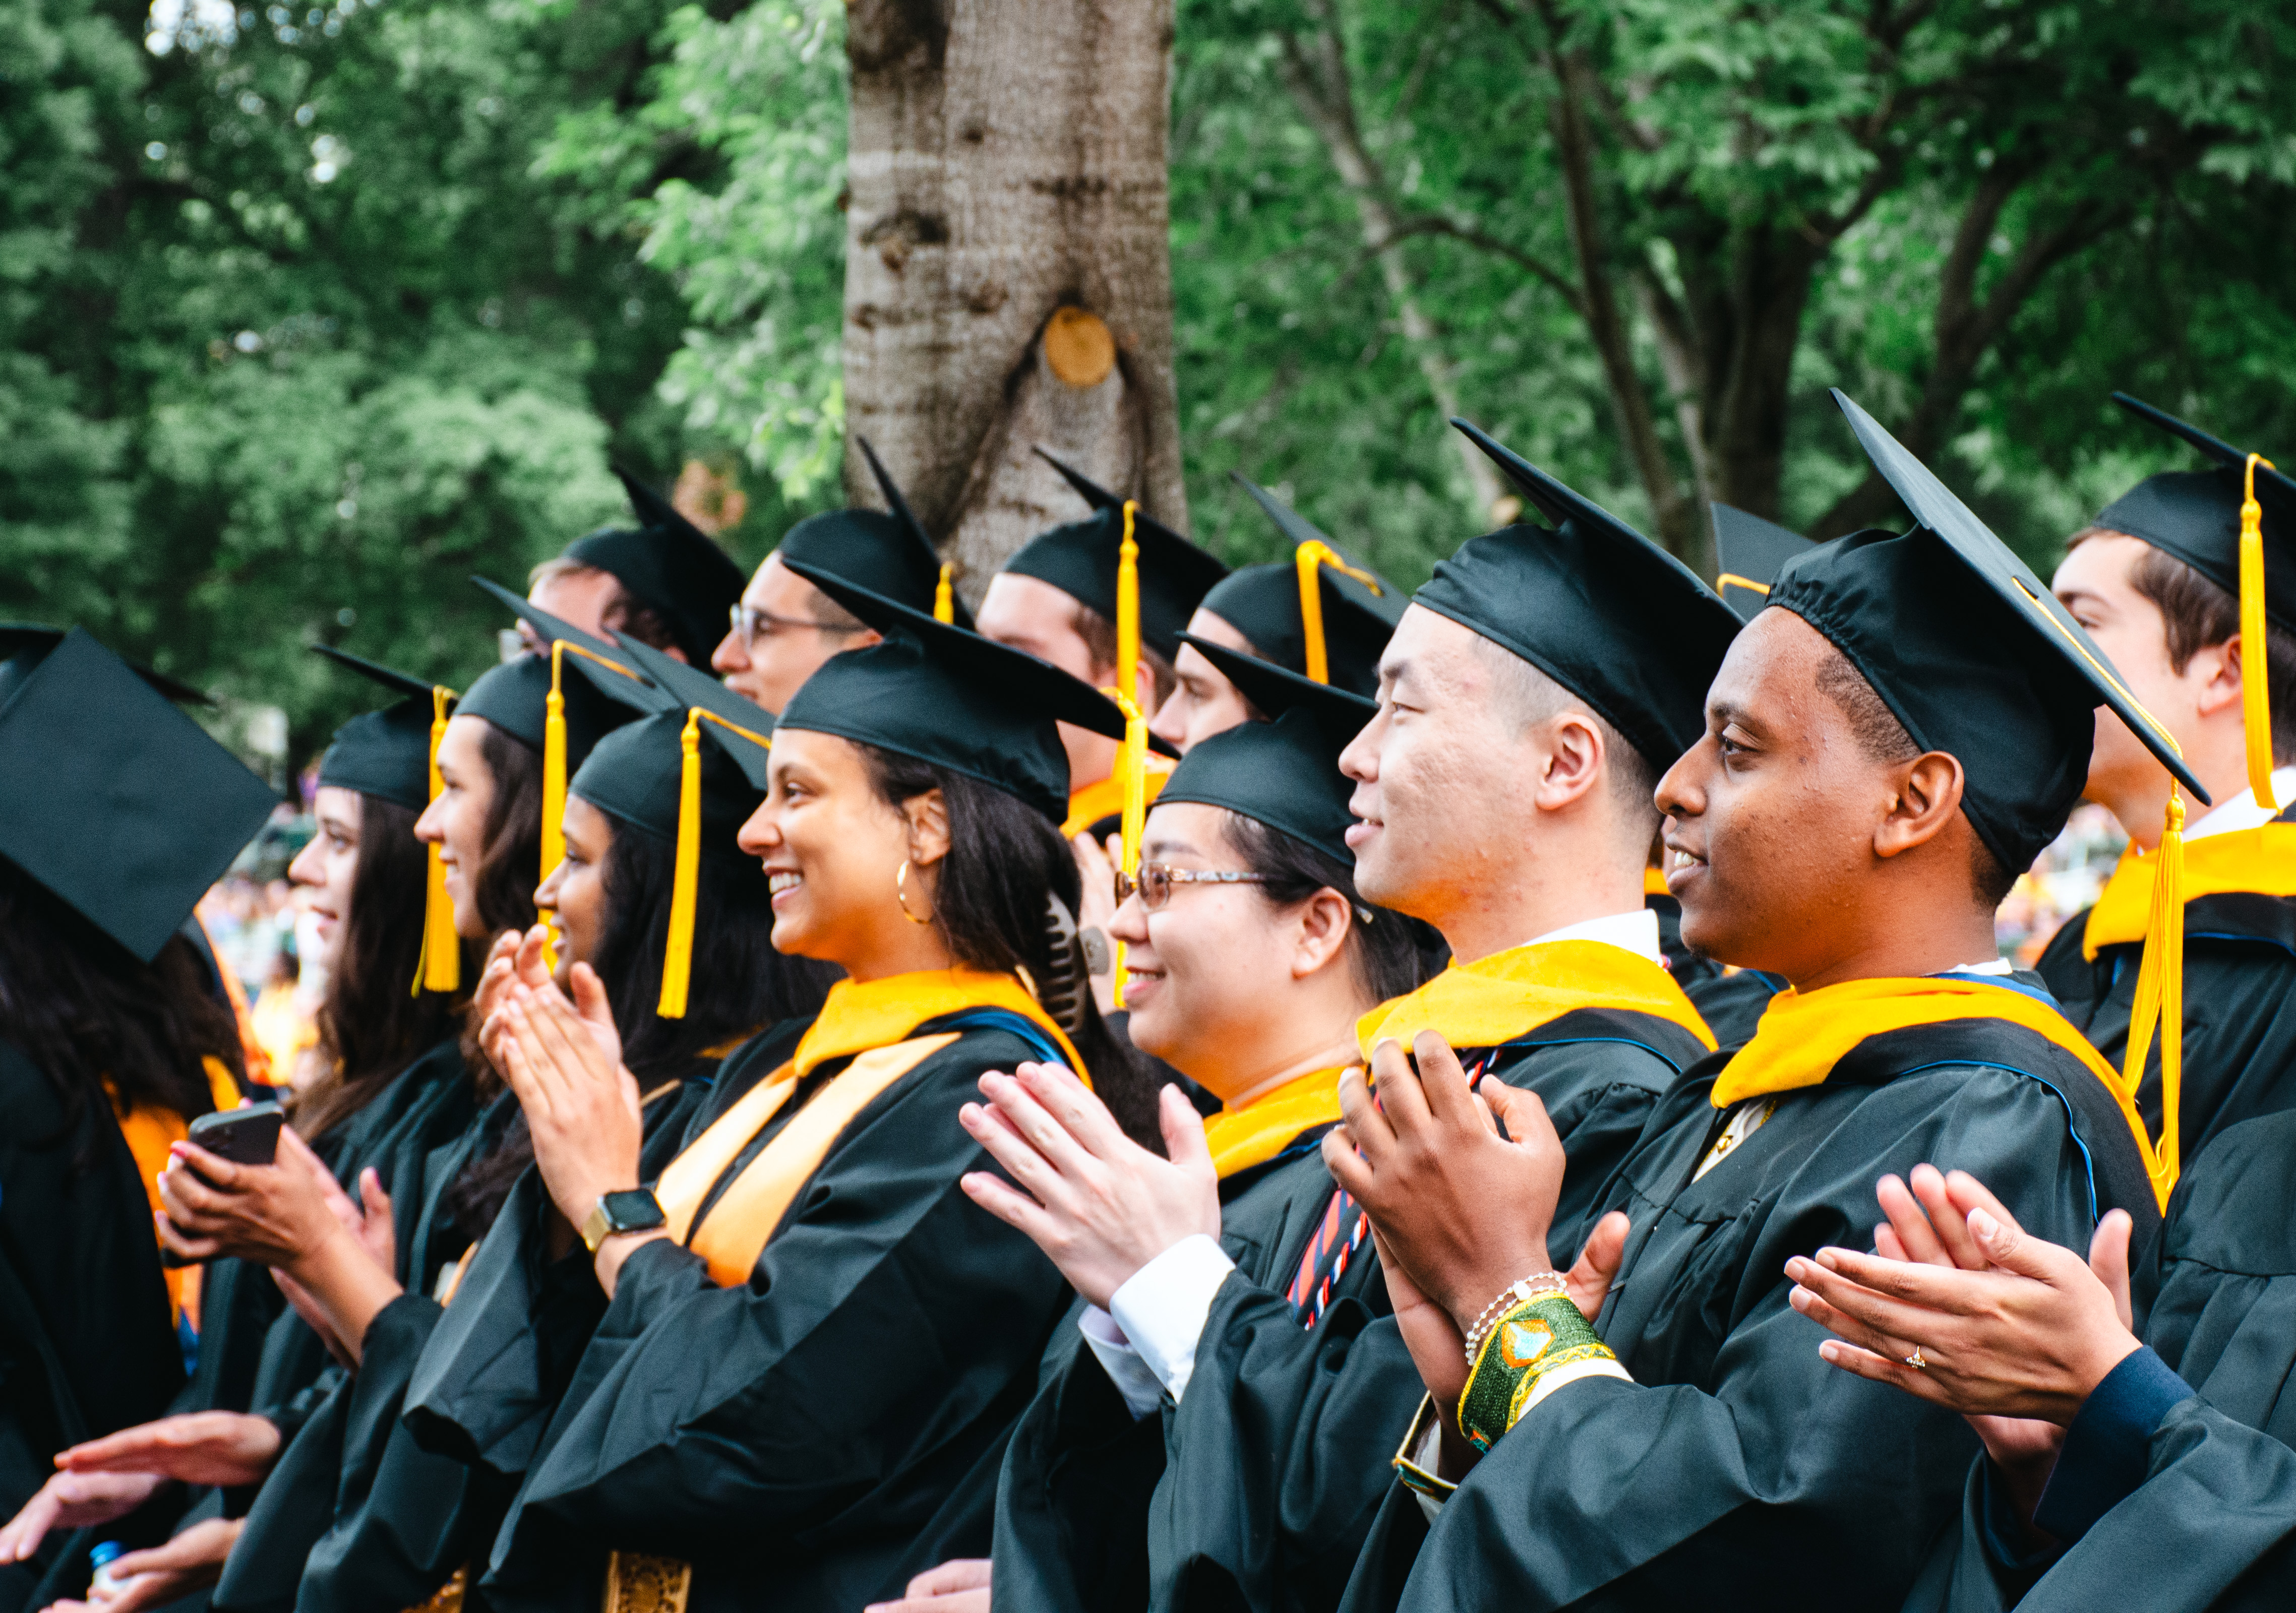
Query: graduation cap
x=668, y=565
x=2002, y=677
x=117, y=803
x=892, y=556
x=1317, y=613
x=2235, y=525
x=1125, y=564
x=1594, y=605
x=946, y=606
x=393, y=755
x=530, y=698
x=941, y=694
x=688, y=772
x=1749, y=554
x=1285, y=773
x=18, y=637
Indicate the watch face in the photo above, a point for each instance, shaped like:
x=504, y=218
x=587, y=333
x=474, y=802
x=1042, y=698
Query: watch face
x=632, y=1210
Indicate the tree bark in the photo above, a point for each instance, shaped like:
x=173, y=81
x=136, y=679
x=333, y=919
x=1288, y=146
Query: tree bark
x=1008, y=262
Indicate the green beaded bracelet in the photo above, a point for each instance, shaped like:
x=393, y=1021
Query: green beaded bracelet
x=1532, y=1340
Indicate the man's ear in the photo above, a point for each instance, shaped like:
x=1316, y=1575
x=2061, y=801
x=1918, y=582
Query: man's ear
x=1928, y=795
x=1575, y=754
x=2216, y=673
x=928, y=816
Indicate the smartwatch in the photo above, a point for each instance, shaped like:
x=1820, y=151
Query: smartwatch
x=633, y=1209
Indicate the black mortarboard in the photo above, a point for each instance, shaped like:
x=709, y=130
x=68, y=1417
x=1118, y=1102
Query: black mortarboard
x=113, y=799
x=1285, y=772
x=1082, y=559
x=1999, y=675
x=914, y=561
x=2194, y=515
x=669, y=565
x=1355, y=610
x=732, y=721
x=515, y=696
x=1594, y=605
x=937, y=693
x=892, y=556
x=17, y=637
x=387, y=753
x=1749, y=554
x=632, y=774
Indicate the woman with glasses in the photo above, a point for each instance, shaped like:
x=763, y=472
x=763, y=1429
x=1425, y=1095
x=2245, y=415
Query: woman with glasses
x=1249, y=959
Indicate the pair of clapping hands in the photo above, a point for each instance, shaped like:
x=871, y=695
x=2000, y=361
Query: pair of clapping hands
x=2011, y=1331
x=563, y=1060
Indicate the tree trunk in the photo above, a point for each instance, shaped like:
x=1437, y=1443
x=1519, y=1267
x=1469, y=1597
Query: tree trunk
x=1008, y=262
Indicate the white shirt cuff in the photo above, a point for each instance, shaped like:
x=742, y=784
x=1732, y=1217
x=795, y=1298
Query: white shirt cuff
x=1161, y=1307
x=1577, y=1371
x=1141, y=1391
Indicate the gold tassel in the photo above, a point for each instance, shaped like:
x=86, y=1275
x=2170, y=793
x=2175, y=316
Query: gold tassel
x=2161, y=1003
x=440, y=967
x=1132, y=779
x=554, y=795
x=2255, y=679
x=677, y=960
x=1127, y=608
x=944, y=597
x=1311, y=557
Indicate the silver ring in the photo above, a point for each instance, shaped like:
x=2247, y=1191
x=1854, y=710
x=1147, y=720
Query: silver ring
x=1916, y=1361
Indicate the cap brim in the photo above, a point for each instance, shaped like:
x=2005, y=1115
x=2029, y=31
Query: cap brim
x=1750, y=550
x=398, y=682
x=899, y=505
x=1063, y=697
x=1276, y=690
x=1936, y=507
x=1553, y=500
x=17, y=635
x=2216, y=449
x=687, y=687
x=1087, y=489
x=632, y=690
x=1297, y=529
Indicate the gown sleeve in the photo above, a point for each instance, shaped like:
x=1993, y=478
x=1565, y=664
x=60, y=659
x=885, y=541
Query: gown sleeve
x=890, y=1331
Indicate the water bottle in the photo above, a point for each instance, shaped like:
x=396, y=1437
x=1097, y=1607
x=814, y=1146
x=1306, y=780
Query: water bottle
x=101, y=1558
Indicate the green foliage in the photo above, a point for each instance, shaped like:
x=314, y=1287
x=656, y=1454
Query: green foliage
x=309, y=313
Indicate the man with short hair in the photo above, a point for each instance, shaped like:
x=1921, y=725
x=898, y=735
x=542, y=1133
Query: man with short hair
x=2156, y=580
x=1885, y=747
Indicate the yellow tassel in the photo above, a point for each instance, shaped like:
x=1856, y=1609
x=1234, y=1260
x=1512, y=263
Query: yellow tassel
x=554, y=794
x=677, y=960
x=1132, y=779
x=1128, y=608
x=1311, y=557
x=441, y=968
x=2255, y=684
x=944, y=597
x=2161, y=1003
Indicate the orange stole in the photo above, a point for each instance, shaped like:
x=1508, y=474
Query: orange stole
x=870, y=1020
x=150, y=1131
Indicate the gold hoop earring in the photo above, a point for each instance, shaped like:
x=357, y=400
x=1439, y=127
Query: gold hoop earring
x=901, y=895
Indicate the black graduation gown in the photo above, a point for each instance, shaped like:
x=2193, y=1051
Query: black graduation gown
x=1738, y=1469
x=811, y=1437
x=357, y=1515
x=87, y=1344
x=1272, y=1466
x=2213, y=1525
x=2240, y=1009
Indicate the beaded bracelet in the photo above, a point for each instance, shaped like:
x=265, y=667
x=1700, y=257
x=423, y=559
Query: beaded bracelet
x=1520, y=1291
x=1532, y=1340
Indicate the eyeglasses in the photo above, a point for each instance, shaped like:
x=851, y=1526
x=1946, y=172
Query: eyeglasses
x=752, y=624
x=1155, y=880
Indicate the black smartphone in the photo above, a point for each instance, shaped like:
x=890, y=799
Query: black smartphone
x=247, y=1136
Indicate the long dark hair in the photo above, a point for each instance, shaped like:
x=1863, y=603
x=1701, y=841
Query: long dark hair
x=371, y=1025
x=85, y=1011
x=739, y=985
x=509, y=864
x=989, y=909
x=1391, y=955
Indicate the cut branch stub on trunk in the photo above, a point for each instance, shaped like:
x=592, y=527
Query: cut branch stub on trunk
x=1008, y=264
